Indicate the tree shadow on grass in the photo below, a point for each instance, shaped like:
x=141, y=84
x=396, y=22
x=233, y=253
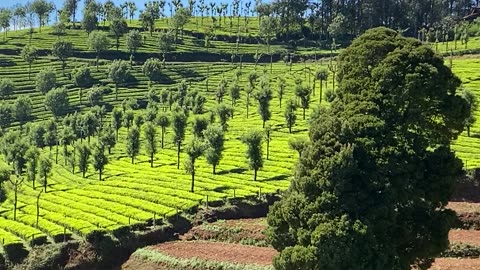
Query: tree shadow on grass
x=187, y=73
x=165, y=79
x=113, y=175
x=278, y=177
x=6, y=63
x=221, y=189
x=236, y=170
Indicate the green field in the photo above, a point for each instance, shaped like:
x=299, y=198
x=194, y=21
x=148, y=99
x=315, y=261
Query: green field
x=131, y=194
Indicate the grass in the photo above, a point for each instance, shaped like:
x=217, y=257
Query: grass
x=131, y=194
x=468, y=69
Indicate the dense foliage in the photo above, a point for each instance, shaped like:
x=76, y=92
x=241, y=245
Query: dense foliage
x=371, y=189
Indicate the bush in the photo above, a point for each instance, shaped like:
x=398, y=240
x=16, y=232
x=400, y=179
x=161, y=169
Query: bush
x=461, y=251
x=330, y=95
x=15, y=252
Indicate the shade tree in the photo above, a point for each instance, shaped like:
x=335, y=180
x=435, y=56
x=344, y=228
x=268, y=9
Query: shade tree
x=150, y=134
x=57, y=101
x=133, y=143
x=98, y=42
x=234, y=92
x=62, y=50
x=281, y=87
x=46, y=80
x=163, y=121
x=322, y=76
x=224, y=112
x=303, y=93
x=298, y=144
x=7, y=87
x=118, y=73
x=199, y=124
x=134, y=42
x=253, y=140
x=44, y=169
x=82, y=78
x=100, y=160
x=152, y=69
x=29, y=54
x=264, y=96
x=84, y=152
x=118, y=28
x=116, y=120
x=179, y=123
x=214, y=143
x=194, y=150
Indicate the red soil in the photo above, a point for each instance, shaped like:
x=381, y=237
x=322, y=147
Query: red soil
x=455, y=264
x=221, y=252
x=471, y=237
x=464, y=207
x=229, y=231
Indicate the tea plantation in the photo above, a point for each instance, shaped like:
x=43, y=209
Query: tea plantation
x=130, y=195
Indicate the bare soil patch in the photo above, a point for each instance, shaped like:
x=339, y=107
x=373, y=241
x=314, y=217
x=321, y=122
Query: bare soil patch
x=220, y=252
x=471, y=237
x=455, y=264
x=464, y=207
x=244, y=231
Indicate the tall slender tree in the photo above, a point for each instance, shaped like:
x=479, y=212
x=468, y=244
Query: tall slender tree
x=179, y=123
x=253, y=140
x=150, y=141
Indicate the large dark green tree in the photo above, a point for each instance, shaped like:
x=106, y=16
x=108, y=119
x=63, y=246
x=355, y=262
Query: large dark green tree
x=370, y=190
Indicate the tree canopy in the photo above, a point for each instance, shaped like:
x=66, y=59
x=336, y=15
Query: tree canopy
x=370, y=190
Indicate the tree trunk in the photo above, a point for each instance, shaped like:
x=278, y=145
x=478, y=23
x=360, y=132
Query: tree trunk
x=83, y=173
x=268, y=148
x=468, y=131
x=116, y=92
x=163, y=133
x=290, y=129
x=15, y=205
x=255, y=175
x=321, y=91
x=271, y=62
x=193, y=178
x=133, y=159
x=303, y=113
x=214, y=168
x=45, y=184
x=178, y=155
x=151, y=160
x=100, y=175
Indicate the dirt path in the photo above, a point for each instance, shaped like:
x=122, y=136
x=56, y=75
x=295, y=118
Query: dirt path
x=221, y=252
